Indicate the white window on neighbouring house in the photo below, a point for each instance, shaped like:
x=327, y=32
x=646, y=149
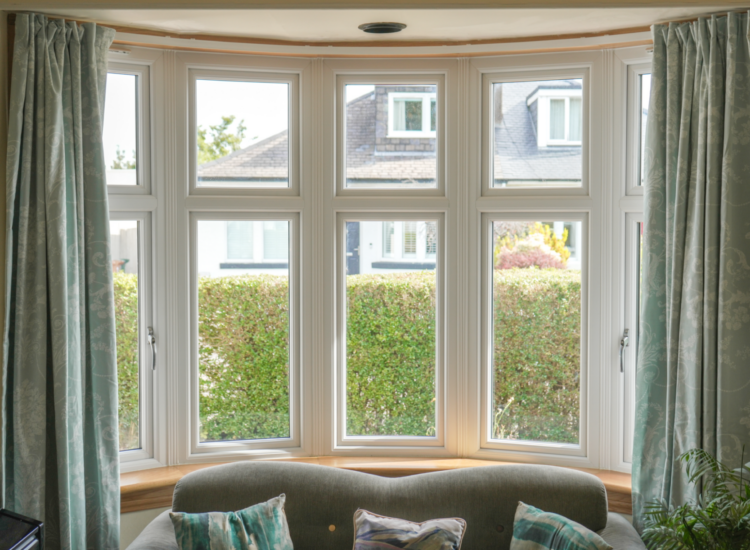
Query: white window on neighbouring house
x=564, y=121
x=239, y=240
x=412, y=114
x=389, y=234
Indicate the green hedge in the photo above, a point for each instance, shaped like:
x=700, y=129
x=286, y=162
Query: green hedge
x=126, y=323
x=243, y=347
x=537, y=354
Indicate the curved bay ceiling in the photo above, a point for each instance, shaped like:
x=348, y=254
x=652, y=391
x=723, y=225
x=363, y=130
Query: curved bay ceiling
x=422, y=25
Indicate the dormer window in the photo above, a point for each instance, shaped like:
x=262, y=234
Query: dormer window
x=412, y=114
x=559, y=116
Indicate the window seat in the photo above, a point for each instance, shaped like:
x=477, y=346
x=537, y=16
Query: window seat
x=148, y=489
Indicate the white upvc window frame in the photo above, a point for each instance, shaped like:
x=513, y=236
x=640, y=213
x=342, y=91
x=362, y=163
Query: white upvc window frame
x=409, y=444
x=426, y=99
x=626, y=210
x=190, y=203
x=588, y=343
x=242, y=73
x=143, y=124
x=143, y=203
x=424, y=73
x=212, y=448
x=319, y=201
x=634, y=128
x=541, y=68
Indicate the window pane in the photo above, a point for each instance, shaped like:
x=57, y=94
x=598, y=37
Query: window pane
x=557, y=119
x=240, y=240
x=125, y=265
x=433, y=115
x=576, y=120
x=389, y=150
x=243, y=340
x=390, y=336
x=537, y=331
x=527, y=115
x=120, y=131
x=242, y=134
x=645, y=100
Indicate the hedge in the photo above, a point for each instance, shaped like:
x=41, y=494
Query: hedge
x=243, y=355
x=126, y=324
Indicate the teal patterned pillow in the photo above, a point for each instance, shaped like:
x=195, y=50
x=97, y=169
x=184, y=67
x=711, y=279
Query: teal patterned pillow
x=537, y=530
x=259, y=527
x=374, y=531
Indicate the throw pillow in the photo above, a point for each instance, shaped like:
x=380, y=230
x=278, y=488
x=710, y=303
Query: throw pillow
x=534, y=529
x=259, y=527
x=374, y=531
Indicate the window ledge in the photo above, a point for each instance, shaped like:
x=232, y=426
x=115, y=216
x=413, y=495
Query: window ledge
x=148, y=489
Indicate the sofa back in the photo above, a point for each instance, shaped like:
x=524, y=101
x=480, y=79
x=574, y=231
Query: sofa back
x=321, y=501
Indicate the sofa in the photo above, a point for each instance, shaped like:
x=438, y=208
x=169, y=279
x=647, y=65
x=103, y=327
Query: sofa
x=321, y=501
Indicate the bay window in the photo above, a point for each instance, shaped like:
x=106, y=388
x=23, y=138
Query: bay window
x=380, y=257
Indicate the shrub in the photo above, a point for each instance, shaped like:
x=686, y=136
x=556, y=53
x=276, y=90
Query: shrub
x=126, y=325
x=243, y=357
x=537, y=336
x=244, y=339
x=390, y=354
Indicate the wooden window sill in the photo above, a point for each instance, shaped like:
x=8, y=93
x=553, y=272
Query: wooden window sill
x=148, y=489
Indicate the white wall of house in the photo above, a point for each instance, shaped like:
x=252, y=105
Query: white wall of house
x=124, y=246
x=373, y=248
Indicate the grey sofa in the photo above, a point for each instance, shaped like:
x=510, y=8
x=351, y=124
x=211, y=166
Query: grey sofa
x=321, y=501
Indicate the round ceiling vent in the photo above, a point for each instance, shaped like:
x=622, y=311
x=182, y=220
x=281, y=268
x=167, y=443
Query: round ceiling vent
x=382, y=28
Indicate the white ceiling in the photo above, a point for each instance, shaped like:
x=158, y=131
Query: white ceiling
x=432, y=24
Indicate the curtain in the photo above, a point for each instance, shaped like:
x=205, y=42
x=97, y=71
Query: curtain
x=693, y=380
x=60, y=444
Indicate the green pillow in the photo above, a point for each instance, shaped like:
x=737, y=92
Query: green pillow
x=259, y=527
x=537, y=530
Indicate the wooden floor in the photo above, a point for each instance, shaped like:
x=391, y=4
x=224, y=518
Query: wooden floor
x=153, y=488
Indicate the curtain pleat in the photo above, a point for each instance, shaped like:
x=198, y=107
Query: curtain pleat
x=60, y=453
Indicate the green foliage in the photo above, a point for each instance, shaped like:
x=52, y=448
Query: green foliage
x=221, y=141
x=126, y=323
x=390, y=355
x=718, y=520
x=243, y=357
x=244, y=346
x=537, y=316
x=121, y=163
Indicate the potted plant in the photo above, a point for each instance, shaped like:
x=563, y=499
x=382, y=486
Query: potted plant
x=718, y=520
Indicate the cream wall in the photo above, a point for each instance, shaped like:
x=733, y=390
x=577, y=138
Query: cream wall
x=3, y=140
x=132, y=523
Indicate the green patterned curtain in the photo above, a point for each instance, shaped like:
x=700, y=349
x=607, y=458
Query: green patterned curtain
x=60, y=448
x=693, y=381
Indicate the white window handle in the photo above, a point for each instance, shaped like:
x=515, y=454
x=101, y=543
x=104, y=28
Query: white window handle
x=623, y=344
x=152, y=343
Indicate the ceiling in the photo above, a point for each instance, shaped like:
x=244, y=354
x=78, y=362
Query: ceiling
x=422, y=25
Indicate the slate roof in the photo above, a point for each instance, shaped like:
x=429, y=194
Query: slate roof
x=371, y=159
x=517, y=155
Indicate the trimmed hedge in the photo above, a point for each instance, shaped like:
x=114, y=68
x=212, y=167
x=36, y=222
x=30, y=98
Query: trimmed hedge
x=243, y=347
x=537, y=354
x=390, y=354
x=126, y=324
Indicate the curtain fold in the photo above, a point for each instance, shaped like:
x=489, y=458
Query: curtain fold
x=693, y=379
x=60, y=439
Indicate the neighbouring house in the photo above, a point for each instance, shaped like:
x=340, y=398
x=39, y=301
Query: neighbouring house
x=390, y=143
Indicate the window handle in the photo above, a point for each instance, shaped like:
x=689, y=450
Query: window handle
x=152, y=343
x=623, y=344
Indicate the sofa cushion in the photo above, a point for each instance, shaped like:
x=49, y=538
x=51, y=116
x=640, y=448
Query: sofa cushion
x=376, y=531
x=259, y=527
x=534, y=529
x=321, y=501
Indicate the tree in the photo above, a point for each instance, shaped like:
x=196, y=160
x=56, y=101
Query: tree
x=121, y=163
x=217, y=141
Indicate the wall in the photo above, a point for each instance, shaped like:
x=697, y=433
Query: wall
x=3, y=139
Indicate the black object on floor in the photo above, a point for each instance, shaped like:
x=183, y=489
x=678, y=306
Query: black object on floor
x=18, y=532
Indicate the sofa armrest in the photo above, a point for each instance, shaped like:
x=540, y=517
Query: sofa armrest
x=620, y=534
x=158, y=535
